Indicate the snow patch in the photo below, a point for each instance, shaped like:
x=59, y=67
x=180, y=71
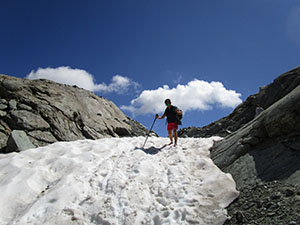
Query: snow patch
x=115, y=181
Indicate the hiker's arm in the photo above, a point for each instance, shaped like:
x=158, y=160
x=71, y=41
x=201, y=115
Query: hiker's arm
x=161, y=117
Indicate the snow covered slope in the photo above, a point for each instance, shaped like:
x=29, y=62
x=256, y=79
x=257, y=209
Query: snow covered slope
x=114, y=181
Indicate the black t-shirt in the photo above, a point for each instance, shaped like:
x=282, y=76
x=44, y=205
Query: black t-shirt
x=171, y=114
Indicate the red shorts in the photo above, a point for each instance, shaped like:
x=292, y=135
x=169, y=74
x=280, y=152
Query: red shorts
x=172, y=126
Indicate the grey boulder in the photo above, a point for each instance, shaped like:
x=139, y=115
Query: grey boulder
x=18, y=141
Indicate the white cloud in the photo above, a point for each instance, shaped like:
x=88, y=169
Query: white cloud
x=65, y=75
x=119, y=85
x=83, y=79
x=196, y=95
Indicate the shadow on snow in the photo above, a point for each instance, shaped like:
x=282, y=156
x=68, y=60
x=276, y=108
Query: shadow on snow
x=151, y=150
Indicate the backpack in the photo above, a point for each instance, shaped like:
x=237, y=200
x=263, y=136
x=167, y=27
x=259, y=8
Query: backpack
x=178, y=115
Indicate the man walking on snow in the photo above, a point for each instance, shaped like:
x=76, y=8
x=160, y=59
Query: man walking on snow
x=171, y=113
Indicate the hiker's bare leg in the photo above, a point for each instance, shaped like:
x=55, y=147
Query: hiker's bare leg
x=175, y=136
x=170, y=136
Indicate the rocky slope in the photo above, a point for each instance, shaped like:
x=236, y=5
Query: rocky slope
x=263, y=156
x=245, y=112
x=267, y=148
x=266, y=203
x=50, y=112
x=262, y=153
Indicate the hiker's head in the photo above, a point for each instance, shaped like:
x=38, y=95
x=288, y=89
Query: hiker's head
x=168, y=102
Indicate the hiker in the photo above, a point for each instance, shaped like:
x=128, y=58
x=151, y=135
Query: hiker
x=171, y=113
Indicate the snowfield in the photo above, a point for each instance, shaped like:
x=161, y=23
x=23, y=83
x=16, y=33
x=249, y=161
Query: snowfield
x=114, y=182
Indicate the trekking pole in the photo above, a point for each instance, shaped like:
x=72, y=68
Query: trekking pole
x=150, y=130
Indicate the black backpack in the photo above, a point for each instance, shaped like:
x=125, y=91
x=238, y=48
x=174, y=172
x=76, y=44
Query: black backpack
x=179, y=114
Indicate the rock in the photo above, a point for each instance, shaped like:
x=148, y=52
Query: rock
x=2, y=113
x=4, y=128
x=253, y=140
x=275, y=196
x=239, y=217
x=3, y=141
x=297, y=198
x=3, y=106
x=13, y=104
x=12, y=84
x=292, y=223
x=262, y=153
x=41, y=138
x=3, y=101
x=260, y=150
x=255, y=205
x=28, y=120
x=288, y=192
x=25, y=107
x=245, y=112
x=49, y=112
x=18, y=141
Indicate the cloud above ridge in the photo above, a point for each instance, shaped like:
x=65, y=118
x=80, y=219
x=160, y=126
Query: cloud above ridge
x=83, y=79
x=119, y=84
x=195, y=95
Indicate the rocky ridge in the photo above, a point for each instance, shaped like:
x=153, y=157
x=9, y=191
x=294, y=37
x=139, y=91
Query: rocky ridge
x=50, y=112
x=262, y=153
x=267, y=148
x=245, y=112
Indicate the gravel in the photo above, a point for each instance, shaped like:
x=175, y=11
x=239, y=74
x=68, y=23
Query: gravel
x=266, y=203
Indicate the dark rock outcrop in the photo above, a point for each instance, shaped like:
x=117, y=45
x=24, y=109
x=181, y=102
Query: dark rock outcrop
x=262, y=148
x=267, y=148
x=50, y=112
x=262, y=153
x=245, y=112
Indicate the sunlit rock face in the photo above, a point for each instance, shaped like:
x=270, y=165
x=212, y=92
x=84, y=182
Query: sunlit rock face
x=50, y=112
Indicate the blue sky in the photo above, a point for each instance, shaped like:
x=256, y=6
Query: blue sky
x=207, y=56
